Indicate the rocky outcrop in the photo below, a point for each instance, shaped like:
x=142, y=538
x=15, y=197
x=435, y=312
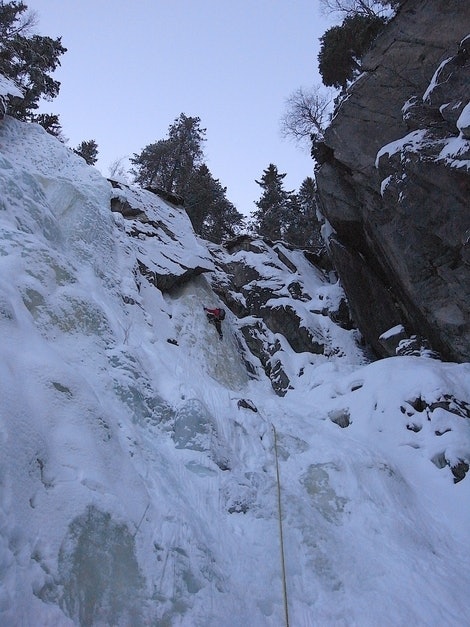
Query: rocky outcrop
x=283, y=303
x=395, y=181
x=439, y=418
x=169, y=253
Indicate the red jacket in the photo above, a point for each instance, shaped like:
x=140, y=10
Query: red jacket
x=214, y=312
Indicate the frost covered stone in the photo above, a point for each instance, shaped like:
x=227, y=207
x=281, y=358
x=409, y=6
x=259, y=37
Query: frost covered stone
x=168, y=252
x=463, y=123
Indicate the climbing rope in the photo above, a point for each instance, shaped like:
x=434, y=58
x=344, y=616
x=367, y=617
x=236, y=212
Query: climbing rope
x=140, y=522
x=281, y=534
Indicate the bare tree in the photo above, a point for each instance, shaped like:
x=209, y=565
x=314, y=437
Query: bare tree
x=16, y=19
x=119, y=169
x=358, y=7
x=307, y=114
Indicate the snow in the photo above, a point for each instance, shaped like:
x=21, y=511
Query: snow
x=396, y=330
x=9, y=88
x=464, y=119
x=410, y=143
x=173, y=255
x=133, y=488
x=435, y=79
x=452, y=151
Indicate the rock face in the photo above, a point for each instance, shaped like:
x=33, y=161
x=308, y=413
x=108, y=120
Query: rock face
x=280, y=300
x=283, y=303
x=169, y=254
x=395, y=182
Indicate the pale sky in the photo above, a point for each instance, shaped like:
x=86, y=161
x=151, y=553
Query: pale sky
x=133, y=66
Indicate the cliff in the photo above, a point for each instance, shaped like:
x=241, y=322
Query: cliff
x=395, y=183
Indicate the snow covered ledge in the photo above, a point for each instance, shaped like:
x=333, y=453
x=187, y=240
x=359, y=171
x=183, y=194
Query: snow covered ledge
x=169, y=253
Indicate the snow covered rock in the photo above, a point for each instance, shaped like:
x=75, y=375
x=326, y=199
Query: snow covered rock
x=427, y=181
x=168, y=252
x=282, y=301
x=463, y=123
x=397, y=186
x=447, y=92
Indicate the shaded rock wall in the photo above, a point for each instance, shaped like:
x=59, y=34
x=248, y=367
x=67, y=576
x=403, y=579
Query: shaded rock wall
x=400, y=222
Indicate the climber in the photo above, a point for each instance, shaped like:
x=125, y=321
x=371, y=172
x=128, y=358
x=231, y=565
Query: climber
x=215, y=317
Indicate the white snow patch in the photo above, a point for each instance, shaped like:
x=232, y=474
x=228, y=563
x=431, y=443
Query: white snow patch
x=396, y=330
x=9, y=88
x=464, y=118
x=384, y=184
x=410, y=143
x=435, y=79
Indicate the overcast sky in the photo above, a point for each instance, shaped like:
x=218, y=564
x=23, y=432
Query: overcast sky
x=133, y=66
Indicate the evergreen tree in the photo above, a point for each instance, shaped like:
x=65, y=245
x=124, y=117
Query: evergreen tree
x=341, y=48
x=271, y=217
x=200, y=195
x=212, y=215
x=186, y=137
x=169, y=163
x=88, y=150
x=27, y=59
x=152, y=164
x=51, y=123
x=175, y=165
x=223, y=221
x=303, y=227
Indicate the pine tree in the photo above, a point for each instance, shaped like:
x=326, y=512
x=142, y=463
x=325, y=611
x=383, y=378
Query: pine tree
x=212, y=215
x=186, y=137
x=271, y=217
x=51, y=123
x=200, y=195
x=303, y=227
x=223, y=221
x=169, y=163
x=88, y=150
x=152, y=164
x=27, y=59
x=341, y=48
x=175, y=165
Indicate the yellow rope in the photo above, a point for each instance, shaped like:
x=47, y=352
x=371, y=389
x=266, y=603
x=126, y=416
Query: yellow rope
x=281, y=534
